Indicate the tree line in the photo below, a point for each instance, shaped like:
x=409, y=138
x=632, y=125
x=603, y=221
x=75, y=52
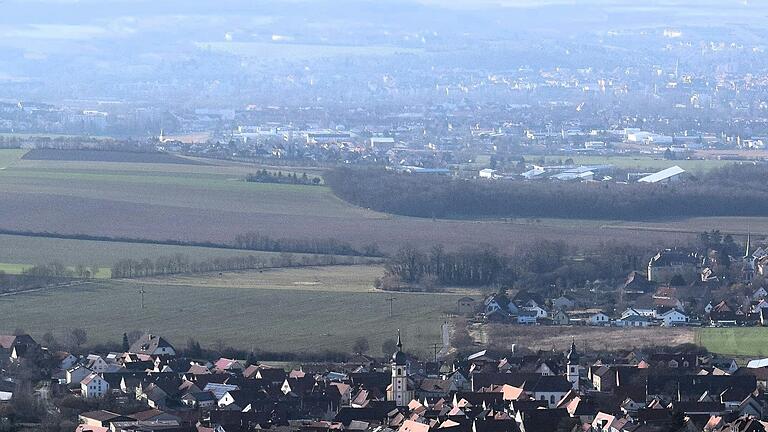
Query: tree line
x=42, y=275
x=265, y=176
x=78, y=142
x=543, y=265
x=730, y=191
x=183, y=264
x=257, y=241
x=248, y=241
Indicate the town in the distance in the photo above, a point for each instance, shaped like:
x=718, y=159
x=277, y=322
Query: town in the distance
x=383, y=216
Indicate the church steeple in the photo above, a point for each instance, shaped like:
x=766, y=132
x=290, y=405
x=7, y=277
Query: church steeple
x=746, y=251
x=400, y=390
x=399, y=357
x=573, y=366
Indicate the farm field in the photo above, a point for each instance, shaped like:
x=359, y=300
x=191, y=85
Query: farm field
x=106, y=156
x=262, y=317
x=342, y=279
x=594, y=338
x=18, y=252
x=212, y=202
x=638, y=162
x=10, y=156
x=743, y=341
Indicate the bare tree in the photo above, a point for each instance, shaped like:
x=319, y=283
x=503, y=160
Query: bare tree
x=77, y=337
x=361, y=345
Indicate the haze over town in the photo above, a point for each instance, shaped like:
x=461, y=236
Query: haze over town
x=392, y=216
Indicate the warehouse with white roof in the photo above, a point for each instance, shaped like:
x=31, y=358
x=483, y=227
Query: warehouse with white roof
x=670, y=174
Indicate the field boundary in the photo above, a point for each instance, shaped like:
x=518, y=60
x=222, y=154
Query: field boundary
x=167, y=242
x=74, y=283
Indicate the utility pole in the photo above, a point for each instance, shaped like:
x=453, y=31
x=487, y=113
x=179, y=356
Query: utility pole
x=141, y=291
x=391, y=300
x=435, y=345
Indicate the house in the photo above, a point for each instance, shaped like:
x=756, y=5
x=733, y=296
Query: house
x=645, y=312
x=203, y=400
x=465, y=306
x=96, y=364
x=759, y=294
x=560, y=318
x=599, y=319
x=77, y=373
x=667, y=264
x=101, y=418
x=673, y=317
x=94, y=386
x=708, y=308
x=549, y=388
x=499, y=302
x=526, y=317
x=19, y=344
x=633, y=321
x=6, y=390
x=563, y=302
x=540, y=312
x=728, y=365
x=225, y=365
x=153, y=345
x=488, y=173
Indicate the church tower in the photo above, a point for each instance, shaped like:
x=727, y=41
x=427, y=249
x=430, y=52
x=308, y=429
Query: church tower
x=573, y=366
x=399, y=390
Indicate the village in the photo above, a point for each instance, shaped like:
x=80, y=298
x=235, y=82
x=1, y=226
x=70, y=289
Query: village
x=153, y=386
x=681, y=287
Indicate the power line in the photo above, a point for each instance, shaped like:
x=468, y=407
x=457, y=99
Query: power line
x=391, y=300
x=141, y=291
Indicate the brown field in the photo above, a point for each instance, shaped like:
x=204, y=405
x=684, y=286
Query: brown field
x=105, y=156
x=591, y=338
x=213, y=203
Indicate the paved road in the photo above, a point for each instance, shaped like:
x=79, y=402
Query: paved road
x=47, y=287
x=43, y=395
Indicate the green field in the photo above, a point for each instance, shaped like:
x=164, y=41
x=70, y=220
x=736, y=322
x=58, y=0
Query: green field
x=261, y=317
x=737, y=341
x=637, y=162
x=18, y=253
x=10, y=156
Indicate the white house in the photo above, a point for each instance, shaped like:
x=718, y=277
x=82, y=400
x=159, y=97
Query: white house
x=488, y=173
x=673, y=317
x=538, y=310
x=600, y=319
x=650, y=313
x=65, y=359
x=96, y=364
x=153, y=345
x=93, y=386
x=526, y=317
x=77, y=374
x=633, y=321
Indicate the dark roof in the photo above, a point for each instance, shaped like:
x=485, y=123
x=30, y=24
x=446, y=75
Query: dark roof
x=547, y=420
x=374, y=411
x=148, y=343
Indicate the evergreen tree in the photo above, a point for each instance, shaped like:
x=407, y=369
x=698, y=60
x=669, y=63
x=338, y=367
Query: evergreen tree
x=126, y=345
